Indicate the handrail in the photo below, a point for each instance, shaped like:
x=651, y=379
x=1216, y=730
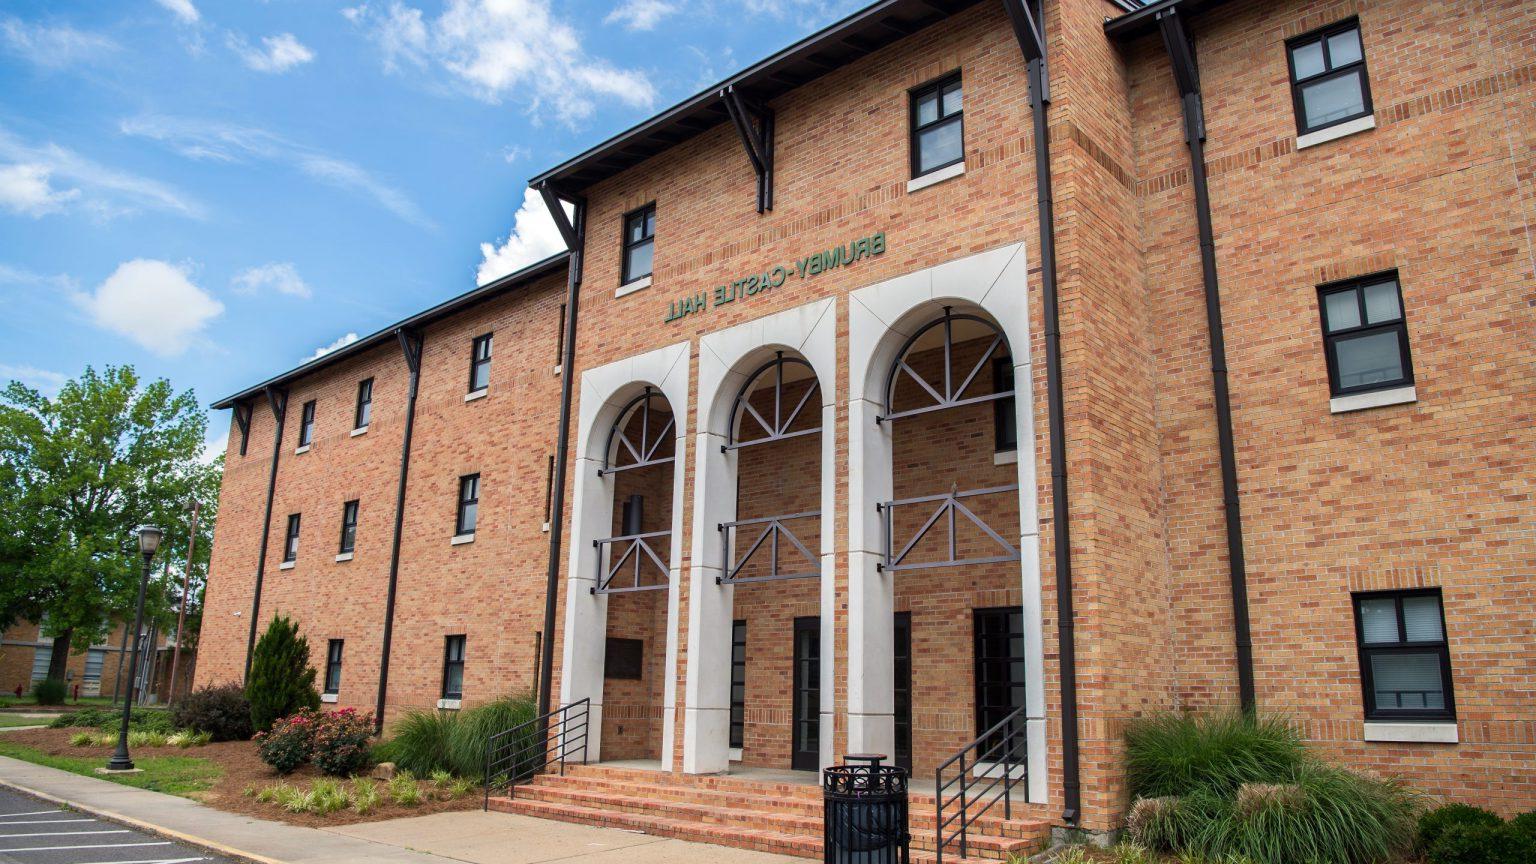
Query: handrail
x=950, y=503
x=517, y=754
x=974, y=803
x=603, y=581
x=773, y=530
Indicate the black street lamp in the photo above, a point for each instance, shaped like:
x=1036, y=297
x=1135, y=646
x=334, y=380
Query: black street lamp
x=149, y=542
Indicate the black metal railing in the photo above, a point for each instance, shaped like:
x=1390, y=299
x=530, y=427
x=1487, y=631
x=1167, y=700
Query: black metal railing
x=637, y=550
x=772, y=531
x=1001, y=753
x=516, y=755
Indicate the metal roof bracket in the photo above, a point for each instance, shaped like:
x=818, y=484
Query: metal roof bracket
x=754, y=123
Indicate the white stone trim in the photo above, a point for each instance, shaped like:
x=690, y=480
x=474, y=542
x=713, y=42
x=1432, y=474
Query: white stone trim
x=880, y=318
x=300, y=451
x=628, y=288
x=449, y=704
x=461, y=539
x=932, y=177
x=602, y=394
x=329, y=697
x=1005, y=457
x=1412, y=733
x=361, y=430
x=477, y=394
x=345, y=556
x=1373, y=399
x=1334, y=133
x=287, y=565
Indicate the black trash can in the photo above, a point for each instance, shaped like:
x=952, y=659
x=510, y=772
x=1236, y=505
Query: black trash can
x=865, y=812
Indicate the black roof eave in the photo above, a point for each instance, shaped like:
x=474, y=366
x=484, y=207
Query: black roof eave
x=1144, y=20
x=442, y=310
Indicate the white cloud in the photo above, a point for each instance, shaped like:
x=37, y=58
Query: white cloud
x=16, y=276
x=278, y=53
x=640, y=14
x=198, y=139
x=153, y=303
x=52, y=47
x=533, y=238
x=25, y=189
x=280, y=277
x=44, y=381
x=104, y=192
x=341, y=342
x=501, y=48
x=184, y=11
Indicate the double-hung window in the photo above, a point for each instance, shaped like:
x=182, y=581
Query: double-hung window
x=938, y=126
x=1405, y=664
x=1365, y=335
x=469, y=505
x=364, y=413
x=639, y=243
x=291, y=540
x=333, y=666
x=453, y=667
x=480, y=364
x=1329, y=84
x=307, y=424
x=348, y=528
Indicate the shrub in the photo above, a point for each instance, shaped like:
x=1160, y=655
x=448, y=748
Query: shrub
x=187, y=738
x=281, y=680
x=1478, y=843
x=1435, y=823
x=341, y=742
x=289, y=743
x=467, y=739
x=325, y=796
x=420, y=742
x=222, y=712
x=50, y=691
x=82, y=739
x=1174, y=754
x=403, y=789
x=365, y=796
x=1525, y=823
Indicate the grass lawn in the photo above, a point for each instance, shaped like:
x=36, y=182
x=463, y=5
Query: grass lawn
x=175, y=775
x=27, y=702
x=8, y=721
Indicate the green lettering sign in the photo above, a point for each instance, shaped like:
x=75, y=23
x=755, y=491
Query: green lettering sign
x=813, y=264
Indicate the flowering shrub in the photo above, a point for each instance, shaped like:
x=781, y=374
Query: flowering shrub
x=290, y=742
x=340, y=746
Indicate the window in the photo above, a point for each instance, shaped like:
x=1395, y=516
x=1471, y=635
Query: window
x=1405, y=666
x=1365, y=336
x=1005, y=420
x=1328, y=79
x=307, y=424
x=364, y=414
x=453, y=668
x=469, y=504
x=291, y=544
x=480, y=364
x=95, y=659
x=348, y=527
x=333, y=666
x=938, y=128
x=639, y=243
x=624, y=659
x=738, y=733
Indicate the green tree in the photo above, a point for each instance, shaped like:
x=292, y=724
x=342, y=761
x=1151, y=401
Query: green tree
x=282, y=681
x=78, y=472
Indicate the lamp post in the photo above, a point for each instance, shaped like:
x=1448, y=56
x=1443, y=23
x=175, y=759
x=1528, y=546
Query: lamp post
x=149, y=543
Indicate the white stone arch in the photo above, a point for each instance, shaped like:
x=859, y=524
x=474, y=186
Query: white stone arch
x=726, y=358
x=881, y=317
x=605, y=390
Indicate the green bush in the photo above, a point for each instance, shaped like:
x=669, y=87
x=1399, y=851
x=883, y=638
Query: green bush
x=420, y=741
x=341, y=742
x=1477, y=843
x=1437, y=821
x=281, y=681
x=1525, y=823
x=222, y=712
x=289, y=743
x=1173, y=754
x=467, y=739
x=108, y=720
x=50, y=691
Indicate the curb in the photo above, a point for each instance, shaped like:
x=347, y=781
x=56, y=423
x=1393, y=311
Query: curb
x=148, y=828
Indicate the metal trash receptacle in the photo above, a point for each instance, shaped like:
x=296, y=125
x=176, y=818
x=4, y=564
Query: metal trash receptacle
x=865, y=812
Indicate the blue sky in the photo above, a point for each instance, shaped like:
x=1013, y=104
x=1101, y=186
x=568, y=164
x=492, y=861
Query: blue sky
x=212, y=192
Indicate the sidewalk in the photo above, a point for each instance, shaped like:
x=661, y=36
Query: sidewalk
x=442, y=838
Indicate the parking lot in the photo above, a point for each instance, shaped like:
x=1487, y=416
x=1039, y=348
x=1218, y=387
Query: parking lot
x=36, y=832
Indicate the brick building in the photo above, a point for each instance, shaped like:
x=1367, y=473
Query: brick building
x=100, y=670
x=1264, y=337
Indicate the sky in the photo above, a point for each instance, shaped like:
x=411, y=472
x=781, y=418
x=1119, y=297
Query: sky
x=213, y=192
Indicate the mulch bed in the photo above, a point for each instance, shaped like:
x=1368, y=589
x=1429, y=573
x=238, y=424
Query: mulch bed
x=244, y=769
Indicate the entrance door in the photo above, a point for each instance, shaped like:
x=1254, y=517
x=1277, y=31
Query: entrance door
x=999, y=667
x=901, y=649
x=805, y=746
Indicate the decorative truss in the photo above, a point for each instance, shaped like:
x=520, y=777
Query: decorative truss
x=636, y=556
x=949, y=505
x=944, y=394
x=773, y=531
x=653, y=435
x=778, y=428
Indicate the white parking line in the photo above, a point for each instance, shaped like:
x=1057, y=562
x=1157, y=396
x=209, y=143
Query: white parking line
x=96, y=846
x=61, y=834
x=43, y=822
x=33, y=813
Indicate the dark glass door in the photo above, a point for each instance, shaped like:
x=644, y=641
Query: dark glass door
x=738, y=683
x=901, y=650
x=805, y=745
x=999, y=668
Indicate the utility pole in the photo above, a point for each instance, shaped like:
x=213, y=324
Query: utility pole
x=181, y=616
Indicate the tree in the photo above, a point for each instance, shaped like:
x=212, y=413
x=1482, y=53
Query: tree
x=282, y=681
x=78, y=472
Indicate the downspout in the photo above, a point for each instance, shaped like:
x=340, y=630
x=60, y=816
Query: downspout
x=410, y=345
x=574, y=231
x=1029, y=28
x=277, y=400
x=1181, y=55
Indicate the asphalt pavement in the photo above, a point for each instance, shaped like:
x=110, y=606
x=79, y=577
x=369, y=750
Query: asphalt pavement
x=36, y=832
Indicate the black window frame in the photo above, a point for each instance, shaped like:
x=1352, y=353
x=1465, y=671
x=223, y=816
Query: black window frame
x=460, y=641
x=1332, y=338
x=1442, y=647
x=476, y=361
x=307, y=424
x=465, y=500
x=348, y=543
x=625, y=244
x=1322, y=35
x=364, y=405
x=291, y=539
x=333, y=651
x=1004, y=411
x=736, y=737
x=914, y=129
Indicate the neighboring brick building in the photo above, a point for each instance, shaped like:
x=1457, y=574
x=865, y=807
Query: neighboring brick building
x=25, y=652
x=1372, y=187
